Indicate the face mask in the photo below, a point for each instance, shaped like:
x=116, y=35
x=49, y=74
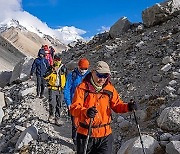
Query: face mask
x=83, y=71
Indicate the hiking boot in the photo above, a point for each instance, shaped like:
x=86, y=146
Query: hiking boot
x=74, y=147
x=75, y=141
x=58, y=122
x=51, y=119
x=42, y=96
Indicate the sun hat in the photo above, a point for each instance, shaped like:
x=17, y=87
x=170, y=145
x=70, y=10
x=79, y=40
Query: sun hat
x=102, y=67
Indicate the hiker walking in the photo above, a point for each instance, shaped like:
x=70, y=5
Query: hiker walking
x=92, y=103
x=48, y=55
x=74, y=78
x=56, y=81
x=52, y=51
x=40, y=66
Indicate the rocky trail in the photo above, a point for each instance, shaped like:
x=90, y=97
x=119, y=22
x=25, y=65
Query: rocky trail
x=145, y=63
x=32, y=113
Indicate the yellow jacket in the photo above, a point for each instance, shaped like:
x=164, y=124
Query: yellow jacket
x=52, y=78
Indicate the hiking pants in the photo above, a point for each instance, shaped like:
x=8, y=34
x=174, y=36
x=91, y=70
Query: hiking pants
x=40, y=85
x=102, y=145
x=74, y=130
x=55, y=103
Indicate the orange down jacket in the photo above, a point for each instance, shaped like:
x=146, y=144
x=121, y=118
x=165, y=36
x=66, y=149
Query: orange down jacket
x=103, y=103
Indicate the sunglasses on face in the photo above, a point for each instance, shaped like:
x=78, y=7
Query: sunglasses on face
x=83, y=68
x=102, y=75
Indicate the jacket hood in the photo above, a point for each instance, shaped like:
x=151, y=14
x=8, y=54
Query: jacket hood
x=41, y=51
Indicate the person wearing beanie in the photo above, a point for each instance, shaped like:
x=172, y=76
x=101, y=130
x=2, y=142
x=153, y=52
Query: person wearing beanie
x=92, y=103
x=83, y=64
x=74, y=78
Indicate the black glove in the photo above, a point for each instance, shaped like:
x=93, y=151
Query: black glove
x=132, y=105
x=91, y=112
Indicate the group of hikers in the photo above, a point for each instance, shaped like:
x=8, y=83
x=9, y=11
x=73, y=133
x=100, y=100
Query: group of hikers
x=89, y=96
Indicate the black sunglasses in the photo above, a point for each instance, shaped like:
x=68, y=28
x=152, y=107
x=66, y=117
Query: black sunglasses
x=83, y=68
x=102, y=75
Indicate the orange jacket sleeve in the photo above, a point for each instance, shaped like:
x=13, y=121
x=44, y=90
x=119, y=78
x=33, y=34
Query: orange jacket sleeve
x=77, y=109
x=117, y=104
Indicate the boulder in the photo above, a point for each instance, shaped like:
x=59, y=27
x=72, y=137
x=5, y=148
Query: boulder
x=8, y=100
x=28, y=91
x=167, y=59
x=141, y=115
x=165, y=137
x=176, y=75
x=160, y=12
x=5, y=77
x=1, y=114
x=121, y=26
x=120, y=119
x=166, y=67
x=173, y=147
x=133, y=146
x=2, y=104
x=30, y=134
x=22, y=70
x=2, y=101
x=170, y=119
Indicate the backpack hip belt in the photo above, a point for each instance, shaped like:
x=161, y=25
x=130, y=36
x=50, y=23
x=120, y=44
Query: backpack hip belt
x=55, y=87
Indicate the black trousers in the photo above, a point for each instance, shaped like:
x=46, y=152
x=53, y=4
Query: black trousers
x=74, y=131
x=40, y=85
x=102, y=145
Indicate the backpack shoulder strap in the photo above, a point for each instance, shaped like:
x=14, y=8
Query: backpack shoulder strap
x=74, y=75
x=64, y=69
x=86, y=95
x=109, y=93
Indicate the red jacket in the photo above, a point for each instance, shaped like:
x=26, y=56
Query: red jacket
x=49, y=57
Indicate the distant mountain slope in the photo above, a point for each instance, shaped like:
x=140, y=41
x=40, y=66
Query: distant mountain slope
x=28, y=42
x=9, y=55
x=65, y=35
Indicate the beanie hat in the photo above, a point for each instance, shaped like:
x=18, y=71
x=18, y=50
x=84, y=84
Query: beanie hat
x=83, y=63
x=102, y=67
x=41, y=51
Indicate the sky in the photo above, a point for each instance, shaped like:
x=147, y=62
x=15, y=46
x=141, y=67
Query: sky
x=80, y=18
x=91, y=16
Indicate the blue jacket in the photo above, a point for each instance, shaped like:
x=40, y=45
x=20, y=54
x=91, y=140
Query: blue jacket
x=71, y=84
x=40, y=64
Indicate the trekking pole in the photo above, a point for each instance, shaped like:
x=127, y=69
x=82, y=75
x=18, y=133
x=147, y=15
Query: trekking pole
x=139, y=131
x=88, y=135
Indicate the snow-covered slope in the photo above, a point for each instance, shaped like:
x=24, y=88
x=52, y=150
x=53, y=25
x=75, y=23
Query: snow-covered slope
x=64, y=34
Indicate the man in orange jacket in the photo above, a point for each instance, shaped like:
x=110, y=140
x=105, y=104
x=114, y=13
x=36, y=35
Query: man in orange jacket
x=94, y=98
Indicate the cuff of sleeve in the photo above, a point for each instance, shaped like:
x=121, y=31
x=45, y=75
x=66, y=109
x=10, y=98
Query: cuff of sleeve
x=123, y=108
x=68, y=103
